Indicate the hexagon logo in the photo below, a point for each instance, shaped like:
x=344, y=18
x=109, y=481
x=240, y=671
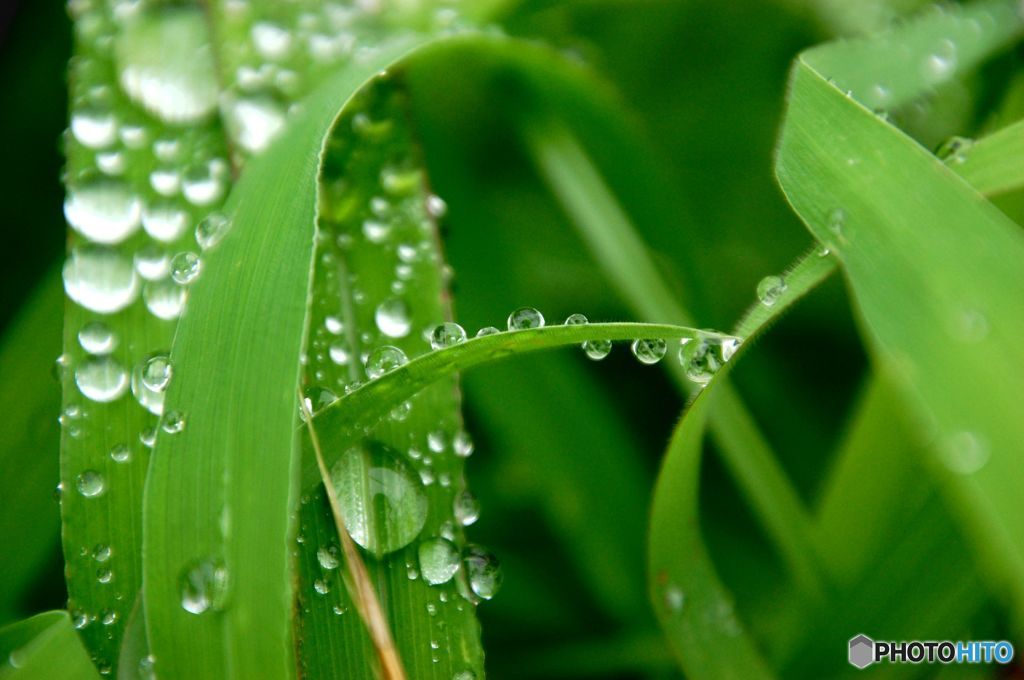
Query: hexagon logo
x=862, y=651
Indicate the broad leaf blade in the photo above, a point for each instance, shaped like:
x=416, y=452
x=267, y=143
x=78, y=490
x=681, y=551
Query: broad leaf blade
x=935, y=268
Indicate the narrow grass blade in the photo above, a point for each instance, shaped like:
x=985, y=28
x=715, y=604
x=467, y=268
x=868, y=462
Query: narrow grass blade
x=992, y=165
x=29, y=443
x=44, y=646
x=145, y=163
x=612, y=238
x=362, y=408
x=933, y=267
x=221, y=492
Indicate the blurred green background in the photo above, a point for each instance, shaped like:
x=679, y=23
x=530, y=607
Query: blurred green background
x=567, y=450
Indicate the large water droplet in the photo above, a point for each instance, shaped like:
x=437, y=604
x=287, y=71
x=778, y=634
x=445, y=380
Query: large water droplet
x=328, y=558
x=466, y=508
x=649, y=350
x=483, y=572
x=703, y=355
x=255, y=121
x=203, y=586
x=392, y=317
x=770, y=289
x=525, y=317
x=185, y=267
x=597, y=349
x=156, y=372
x=439, y=560
x=100, y=279
x=90, y=484
x=103, y=210
x=164, y=220
x=164, y=299
x=384, y=360
x=166, y=65
x=101, y=379
x=96, y=337
x=381, y=497
x=94, y=126
x=271, y=41
x=446, y=335
x=211, y=230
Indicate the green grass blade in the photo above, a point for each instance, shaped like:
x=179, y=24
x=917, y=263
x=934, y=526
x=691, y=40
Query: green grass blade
x=612, y=238
x=362, y=408
x=144, y=146
x=933, y=267
x=29, y=443
x=221, y=493
x=44, y=646
x=992, y=165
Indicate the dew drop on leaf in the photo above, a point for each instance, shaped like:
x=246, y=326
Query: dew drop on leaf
x=203, y=586
x=100, y=279
x=466, y=508
x=103, y=210
x=101, y=379
x=483, y=572
x=384, y=360
x=524, y=318
x=185, y=267
x=770, y=289
x=96, y=337
x=381, y=497
x=649, y=350
x=392, y=318
x=439, y=560
x=446, y=335
x=597, y=349
x=90, y=484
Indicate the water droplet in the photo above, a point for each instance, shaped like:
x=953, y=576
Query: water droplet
x=100, y=279
x=392, y=317
x=147, y=668
x=649, y=350
x=321, y=586
x=376, y=231
x=271, y=41
x=487, y=330
x=400, y=180
x=673, y=598
x=576, y=320
x=327, y=556
x=255, y=121
x=174, y=422
x=464, y=675
x=203, y=586
x=383, y=360
x=164, y=299
x=164, y=220
x=152, y=263
x=148, y=437
x=103, y=210
x=965, y=452
x=211, y=230
x=597, y=349
x=104, y=576
x=462, y=444
x=94, y=126
x=101, y=552
x=524, y=318
x=437, y=441
x=177, y=85
x=156, y=372
x=955, y=149
x=483, y=572
x=203, y=184
x=770, y=289
x=90, y=484
x=101, y=379
x=436, y=207
x=96, y=337
x=446, y=335
x=703, y=355
x=439, y=560
x=466, y=508
x=120, y=453
x=338, y=353
x=382, y=499
x=185, y=267
x=109, y=617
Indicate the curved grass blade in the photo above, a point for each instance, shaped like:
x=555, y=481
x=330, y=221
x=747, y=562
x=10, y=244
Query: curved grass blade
x=44, y=646
x=933, y=267
x=29, y=442
x=363, y=407
x=221, y=491
x=145, y=163
x=992, y=164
